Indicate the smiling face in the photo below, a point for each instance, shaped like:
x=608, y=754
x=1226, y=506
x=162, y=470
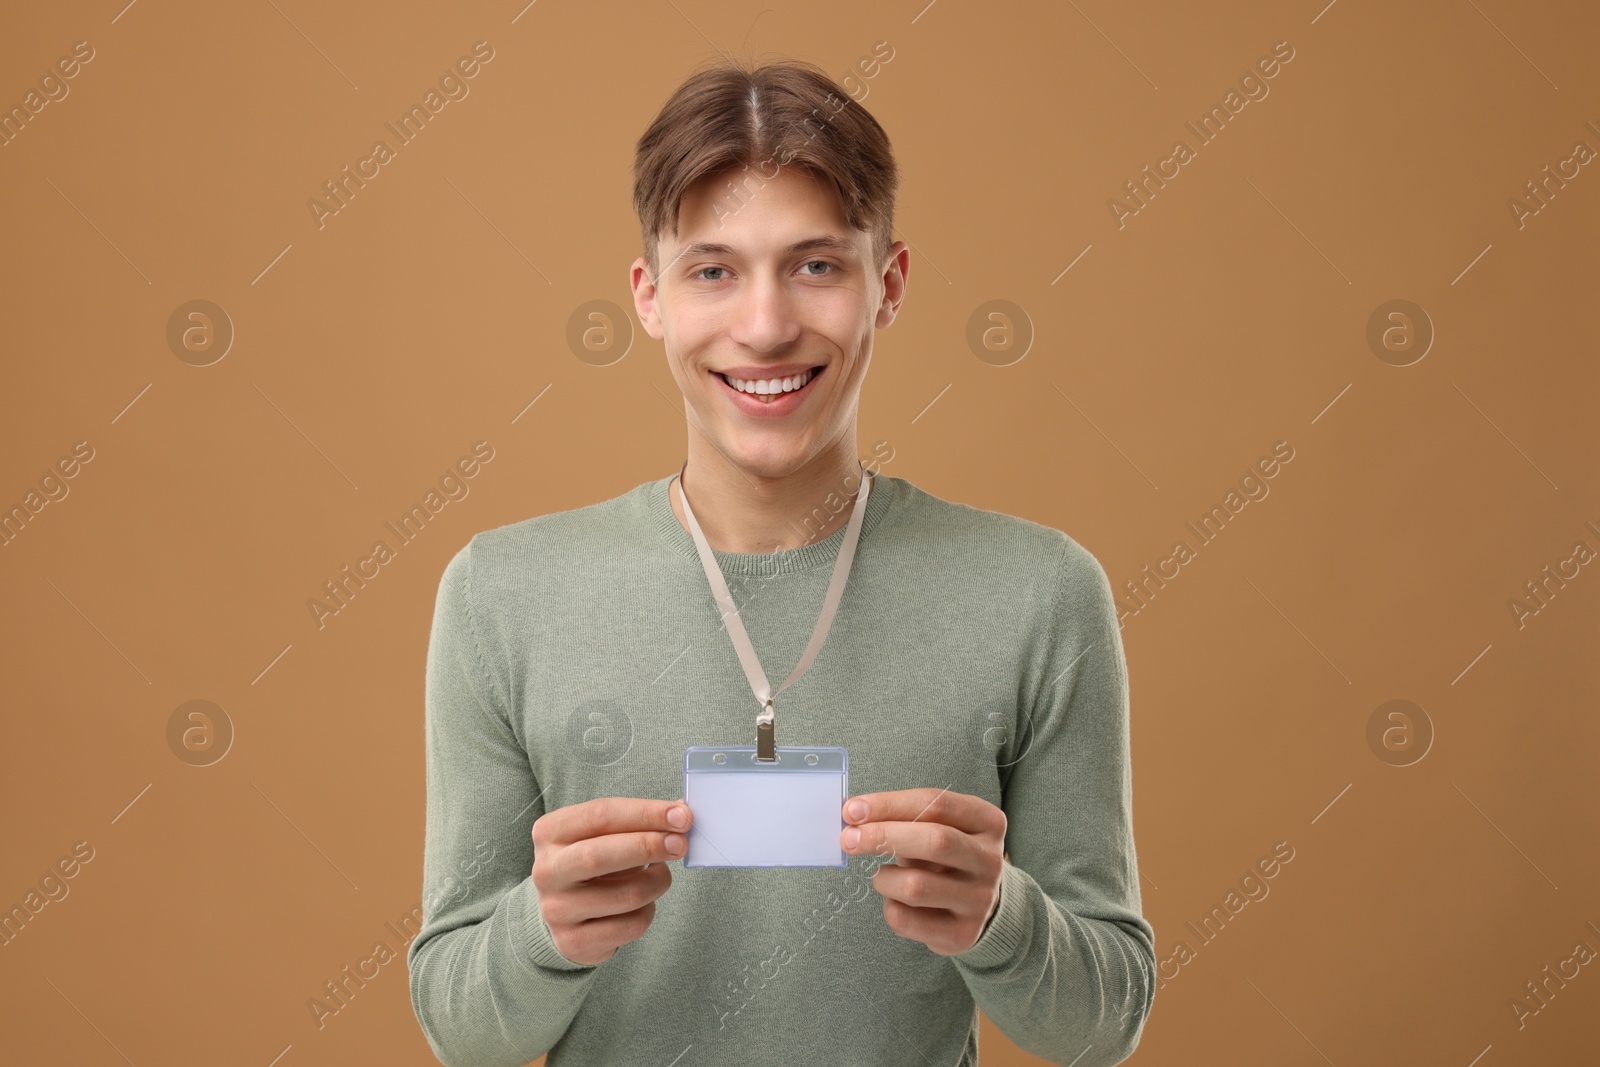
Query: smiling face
x=774, y=295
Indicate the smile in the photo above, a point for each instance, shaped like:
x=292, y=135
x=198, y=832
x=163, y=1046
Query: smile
x=770, y=397
x=772, y=387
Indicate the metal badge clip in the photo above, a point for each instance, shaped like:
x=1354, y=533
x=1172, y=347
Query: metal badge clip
x=765, y=743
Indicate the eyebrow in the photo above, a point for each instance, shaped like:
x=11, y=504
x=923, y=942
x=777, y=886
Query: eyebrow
x=825, y=243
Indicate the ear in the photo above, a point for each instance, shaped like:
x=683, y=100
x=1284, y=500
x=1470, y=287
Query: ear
x=644, y=297
x=894, y=283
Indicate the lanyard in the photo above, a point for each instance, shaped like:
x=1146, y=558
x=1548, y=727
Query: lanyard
x=741, y=640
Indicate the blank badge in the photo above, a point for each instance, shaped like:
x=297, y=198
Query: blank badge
x=788, y=812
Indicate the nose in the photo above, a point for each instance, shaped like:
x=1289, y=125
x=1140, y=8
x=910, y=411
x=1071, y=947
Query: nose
x=765, y=318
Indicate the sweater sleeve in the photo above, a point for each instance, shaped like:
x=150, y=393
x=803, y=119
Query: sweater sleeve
x=487, y=983
x=1066, y=967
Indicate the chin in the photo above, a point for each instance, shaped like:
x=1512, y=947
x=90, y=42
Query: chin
x=765, y=460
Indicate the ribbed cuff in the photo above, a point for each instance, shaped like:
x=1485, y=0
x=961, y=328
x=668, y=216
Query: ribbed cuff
x=538, y=948
x=1011, y=926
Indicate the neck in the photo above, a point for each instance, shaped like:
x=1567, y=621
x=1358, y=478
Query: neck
x=741, y=511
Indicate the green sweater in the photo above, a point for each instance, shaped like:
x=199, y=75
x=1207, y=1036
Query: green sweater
x=576, y=655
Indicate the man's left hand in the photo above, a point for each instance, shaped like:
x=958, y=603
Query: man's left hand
x=944, y=884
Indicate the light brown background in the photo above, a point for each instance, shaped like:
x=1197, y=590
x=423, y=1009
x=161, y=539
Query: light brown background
x=1228, y=315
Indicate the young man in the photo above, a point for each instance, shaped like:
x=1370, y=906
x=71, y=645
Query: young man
x=972, y=669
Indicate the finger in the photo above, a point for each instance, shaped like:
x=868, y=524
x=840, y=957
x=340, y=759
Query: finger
x=611, y=853
x=967, y=813
x=607, y=815
x=917, y=888
x=614, y=929
x=927, y=925
x=934, y=843
x=620, y=874
x=619, y=895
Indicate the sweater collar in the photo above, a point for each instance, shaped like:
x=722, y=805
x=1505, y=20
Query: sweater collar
x=886, y=493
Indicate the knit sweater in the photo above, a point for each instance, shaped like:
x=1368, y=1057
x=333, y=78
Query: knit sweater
x=577, y=654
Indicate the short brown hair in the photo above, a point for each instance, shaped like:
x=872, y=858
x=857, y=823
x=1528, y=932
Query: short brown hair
x=733, y=114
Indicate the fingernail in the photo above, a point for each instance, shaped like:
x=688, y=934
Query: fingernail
x=676, y=817
x=856, y=809
x=674, y=843
x=852, y=837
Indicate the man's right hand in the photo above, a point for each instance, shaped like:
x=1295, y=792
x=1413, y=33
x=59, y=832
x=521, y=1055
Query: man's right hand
x=599, y=867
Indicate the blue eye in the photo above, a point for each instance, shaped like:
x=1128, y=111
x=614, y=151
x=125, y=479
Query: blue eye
x=831, y=268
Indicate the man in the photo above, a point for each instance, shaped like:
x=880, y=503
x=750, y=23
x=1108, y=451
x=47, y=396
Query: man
x=973, y=670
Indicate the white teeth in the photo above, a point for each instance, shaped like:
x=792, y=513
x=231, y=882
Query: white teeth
x=770, y=385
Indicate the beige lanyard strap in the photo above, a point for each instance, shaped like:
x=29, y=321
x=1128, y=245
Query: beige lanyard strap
x=765, y=742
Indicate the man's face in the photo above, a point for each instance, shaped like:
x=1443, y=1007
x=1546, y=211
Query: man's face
x=776, y=286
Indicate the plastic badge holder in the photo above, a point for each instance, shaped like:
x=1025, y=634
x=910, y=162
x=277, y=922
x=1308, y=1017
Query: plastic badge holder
x=747, y=813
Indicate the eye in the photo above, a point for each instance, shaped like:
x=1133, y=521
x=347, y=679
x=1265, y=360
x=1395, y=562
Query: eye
x=698, y=274
x=820, y=262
